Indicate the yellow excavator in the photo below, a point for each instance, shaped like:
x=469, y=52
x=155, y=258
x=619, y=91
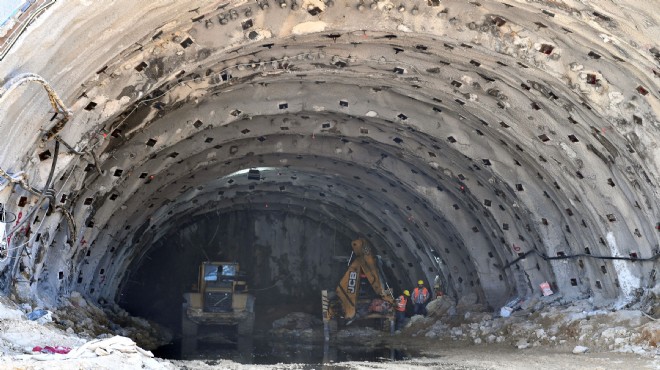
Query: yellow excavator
x=362, y=292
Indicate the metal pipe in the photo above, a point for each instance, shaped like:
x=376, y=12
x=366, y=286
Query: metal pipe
x=21, y=180
x=26, y=23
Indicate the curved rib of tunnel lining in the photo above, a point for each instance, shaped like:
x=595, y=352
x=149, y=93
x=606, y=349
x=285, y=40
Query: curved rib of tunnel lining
x=327, y=188
x=379, y=158
x=456, y=137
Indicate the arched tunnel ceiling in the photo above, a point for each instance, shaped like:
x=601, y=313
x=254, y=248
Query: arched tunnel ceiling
x=469, y=140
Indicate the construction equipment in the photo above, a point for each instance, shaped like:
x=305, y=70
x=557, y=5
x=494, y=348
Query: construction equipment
x=362, y=292
x=220, y=302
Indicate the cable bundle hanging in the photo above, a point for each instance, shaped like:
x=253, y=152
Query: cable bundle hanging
x=55, y=101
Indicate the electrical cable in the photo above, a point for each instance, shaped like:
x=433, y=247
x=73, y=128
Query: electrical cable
x=70, y=223
x=55, y=101
x=547, y=258
x=37, y=206
x=19, y=179
x=43, y=192
x=3, y=215
x=71, y=149
x=25, y=24
x=4, y=258
x=48, y=192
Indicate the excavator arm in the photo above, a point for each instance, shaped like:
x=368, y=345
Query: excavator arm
x=364, y=264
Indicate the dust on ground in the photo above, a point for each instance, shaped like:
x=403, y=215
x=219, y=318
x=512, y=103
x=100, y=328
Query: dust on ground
x=545, y=333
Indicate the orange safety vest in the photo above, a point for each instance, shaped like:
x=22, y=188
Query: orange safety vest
x=420, y=298
x=401, y=303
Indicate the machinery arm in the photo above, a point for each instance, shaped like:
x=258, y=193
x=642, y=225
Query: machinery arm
x=371, y=269
x=365, y=264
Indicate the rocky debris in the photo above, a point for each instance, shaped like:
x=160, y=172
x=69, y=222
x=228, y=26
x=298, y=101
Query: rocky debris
x=297, y=320
x=9, y=311
x=580, y=349
x=420, y=325
x=19, y=335
x=21, y=340
x=542, y=321
x=649, y=302
x=651, y=333
x=297, y=324
x=602, y=330
x=77, y=315
x=441, y=307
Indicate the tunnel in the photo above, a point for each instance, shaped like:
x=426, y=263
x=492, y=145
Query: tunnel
x=488, y=146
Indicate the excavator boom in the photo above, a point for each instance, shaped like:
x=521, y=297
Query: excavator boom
x=364, y=265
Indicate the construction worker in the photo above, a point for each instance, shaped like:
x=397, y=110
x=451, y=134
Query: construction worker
x=420, y=297
x=400, y=309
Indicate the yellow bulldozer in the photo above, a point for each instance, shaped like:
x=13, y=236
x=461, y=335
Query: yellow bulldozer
x=219, y=303
x=362, y=293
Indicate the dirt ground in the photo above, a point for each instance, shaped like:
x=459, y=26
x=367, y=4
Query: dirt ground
x=457, y=357
x=506, y=357
x=490, y=356
x=541, y=339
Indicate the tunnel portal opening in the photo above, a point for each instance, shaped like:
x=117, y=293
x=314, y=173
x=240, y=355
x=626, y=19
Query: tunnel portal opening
x=485, y=144
x=286, y=258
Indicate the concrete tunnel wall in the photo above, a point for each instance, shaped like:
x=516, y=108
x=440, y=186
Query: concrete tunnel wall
x=456, y=136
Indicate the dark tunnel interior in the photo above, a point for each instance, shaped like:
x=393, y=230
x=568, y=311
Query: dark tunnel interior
x=288, y=259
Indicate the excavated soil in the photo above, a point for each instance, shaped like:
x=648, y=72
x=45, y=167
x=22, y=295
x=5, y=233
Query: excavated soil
x=540, y=333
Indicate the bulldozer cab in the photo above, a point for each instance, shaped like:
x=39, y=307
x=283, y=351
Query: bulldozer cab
x=218, y=283
x=220, y=300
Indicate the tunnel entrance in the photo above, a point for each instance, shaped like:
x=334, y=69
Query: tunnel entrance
x=285, y=258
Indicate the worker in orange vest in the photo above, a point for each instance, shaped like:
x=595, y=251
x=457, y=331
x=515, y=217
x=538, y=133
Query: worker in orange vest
x=420, y=297
x=401, y=308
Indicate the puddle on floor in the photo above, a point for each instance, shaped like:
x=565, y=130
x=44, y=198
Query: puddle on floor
x=268, y=351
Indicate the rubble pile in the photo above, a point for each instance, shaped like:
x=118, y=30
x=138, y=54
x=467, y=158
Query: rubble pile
x=301, y=325
x=19, y=335
x=77, y=315
x=545, y=321
x=298, y=325
x=575, y=327
x=34, y=340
